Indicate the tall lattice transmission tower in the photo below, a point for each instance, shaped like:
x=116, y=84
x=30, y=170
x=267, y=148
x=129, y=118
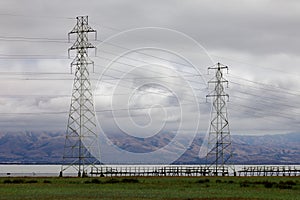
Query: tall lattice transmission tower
x=81, y=137
x=219, y=141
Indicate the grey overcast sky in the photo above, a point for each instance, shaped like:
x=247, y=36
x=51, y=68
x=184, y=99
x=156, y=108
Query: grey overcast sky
x=258, y=39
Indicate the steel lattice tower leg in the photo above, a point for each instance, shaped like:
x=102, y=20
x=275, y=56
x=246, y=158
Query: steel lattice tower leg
x=81, y=138
x=219, y=142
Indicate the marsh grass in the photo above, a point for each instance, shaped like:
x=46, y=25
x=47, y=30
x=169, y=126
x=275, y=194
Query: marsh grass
x=151, y=188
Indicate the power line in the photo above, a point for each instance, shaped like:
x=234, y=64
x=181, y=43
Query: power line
x=104, y=51
x=35, y=16
x=107, y=27
x=106, y=80
x=128, y=78
x=261, y=84
x=268, y=68
x=267, y=103
x=26, y=57
x=153, y=77
x=32, y=39
x=101, y=111
x=258, y=95
x=141, y=53
x=256, y=66
x=257, y=109
x=186, y=65
x=132, y=65
x=237, y=97
x=269, y=98
x=115, y=45
x=262, y=96
x=24, y=73
x=265, y=86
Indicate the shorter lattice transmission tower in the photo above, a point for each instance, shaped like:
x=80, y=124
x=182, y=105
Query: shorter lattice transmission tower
x=81, y=141
x=219, y=141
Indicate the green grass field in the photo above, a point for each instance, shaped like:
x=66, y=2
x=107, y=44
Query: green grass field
x=151, y=188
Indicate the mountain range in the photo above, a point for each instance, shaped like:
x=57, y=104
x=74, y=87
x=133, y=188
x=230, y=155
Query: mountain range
x=47, y=148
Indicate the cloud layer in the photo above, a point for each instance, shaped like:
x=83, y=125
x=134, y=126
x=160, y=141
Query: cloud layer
x=257, y=39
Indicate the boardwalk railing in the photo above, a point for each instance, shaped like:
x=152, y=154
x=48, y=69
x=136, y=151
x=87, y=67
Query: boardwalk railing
x=158, y=171
x=170, y=170
x=270, y=171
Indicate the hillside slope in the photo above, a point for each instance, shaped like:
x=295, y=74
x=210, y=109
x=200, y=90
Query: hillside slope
x=47, y=147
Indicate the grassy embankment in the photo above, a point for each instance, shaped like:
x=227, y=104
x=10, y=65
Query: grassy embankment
x=151, y=188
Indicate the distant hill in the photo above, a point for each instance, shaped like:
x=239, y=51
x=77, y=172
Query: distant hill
x=31, y=147
x=47, y=147
x=266, y=149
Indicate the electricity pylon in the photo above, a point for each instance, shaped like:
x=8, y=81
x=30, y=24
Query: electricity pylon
x=219, y=141
x=81, y=137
